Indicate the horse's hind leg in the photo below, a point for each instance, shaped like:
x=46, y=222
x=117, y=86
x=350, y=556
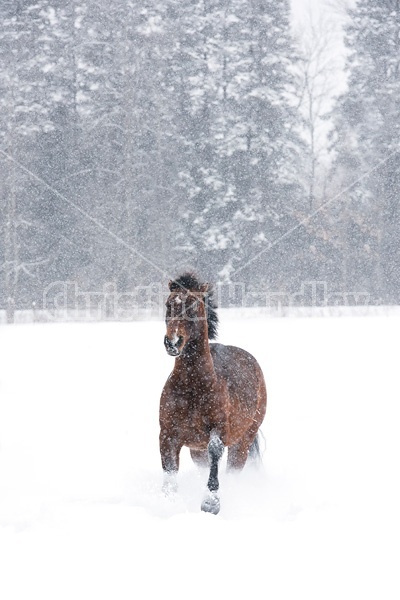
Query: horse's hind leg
x=215, y=451
x=237, y=456
x=238, y=453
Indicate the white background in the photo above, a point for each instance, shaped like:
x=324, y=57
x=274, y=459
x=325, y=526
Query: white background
x=81, y=512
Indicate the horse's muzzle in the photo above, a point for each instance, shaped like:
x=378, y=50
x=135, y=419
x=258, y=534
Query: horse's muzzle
x=173, y=349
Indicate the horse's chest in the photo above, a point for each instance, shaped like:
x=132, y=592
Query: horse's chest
x=196, y=412
x=189, y=408
x=196, y=427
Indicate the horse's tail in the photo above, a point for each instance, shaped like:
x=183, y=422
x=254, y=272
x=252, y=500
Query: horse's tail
x=255, y=454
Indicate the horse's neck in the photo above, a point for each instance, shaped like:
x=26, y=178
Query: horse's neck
x=197, y=359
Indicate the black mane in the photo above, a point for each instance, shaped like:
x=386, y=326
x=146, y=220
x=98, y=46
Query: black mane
x=189, y=282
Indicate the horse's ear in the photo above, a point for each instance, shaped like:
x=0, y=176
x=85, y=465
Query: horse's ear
x=170, y=284
x=204, y=288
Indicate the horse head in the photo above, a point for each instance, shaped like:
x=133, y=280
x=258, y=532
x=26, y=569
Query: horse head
x=186, y=317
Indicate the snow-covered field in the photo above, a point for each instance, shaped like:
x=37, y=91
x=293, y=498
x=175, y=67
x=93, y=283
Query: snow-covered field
x=82, y=516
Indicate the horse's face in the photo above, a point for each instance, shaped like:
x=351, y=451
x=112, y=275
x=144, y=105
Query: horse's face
x=185, y=320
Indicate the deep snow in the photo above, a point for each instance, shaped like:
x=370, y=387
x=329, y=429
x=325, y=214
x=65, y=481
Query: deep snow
x=81, y=512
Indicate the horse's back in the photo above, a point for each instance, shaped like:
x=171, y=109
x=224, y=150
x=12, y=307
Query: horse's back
x=230, y=361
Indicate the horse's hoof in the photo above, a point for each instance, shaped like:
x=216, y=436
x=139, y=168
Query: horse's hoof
x=211, y=503
x=170, y=485
x=170, y=490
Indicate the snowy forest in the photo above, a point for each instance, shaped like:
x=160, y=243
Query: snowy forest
x=141, y=138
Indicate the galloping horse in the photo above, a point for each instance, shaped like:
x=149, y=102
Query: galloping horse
x=215, y=397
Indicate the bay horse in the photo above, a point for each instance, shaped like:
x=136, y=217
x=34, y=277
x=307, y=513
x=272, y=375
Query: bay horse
x=215, y=397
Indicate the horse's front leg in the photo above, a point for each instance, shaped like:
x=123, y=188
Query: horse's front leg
x=169, y=450
x=215, y=451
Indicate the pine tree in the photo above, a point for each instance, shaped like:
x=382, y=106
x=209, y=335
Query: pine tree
x=235, y=60
x=367, y=141
x=24, y=111
x=167, y=123
x=128, y=119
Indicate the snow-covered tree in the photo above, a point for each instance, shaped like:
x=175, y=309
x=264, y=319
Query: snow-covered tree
x=150, y=136
x=367, y=142
x=238, y=129
x=25, y=110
